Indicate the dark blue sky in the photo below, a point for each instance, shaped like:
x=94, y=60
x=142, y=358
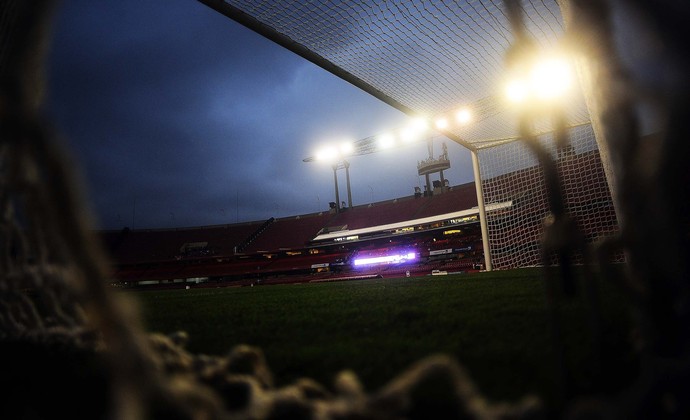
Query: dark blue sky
x=178, y=116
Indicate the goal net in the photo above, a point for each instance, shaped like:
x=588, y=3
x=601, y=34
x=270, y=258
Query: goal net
x=511, y=174
x=433, y=58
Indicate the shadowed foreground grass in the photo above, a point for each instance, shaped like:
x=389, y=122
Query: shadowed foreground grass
x=494, y=324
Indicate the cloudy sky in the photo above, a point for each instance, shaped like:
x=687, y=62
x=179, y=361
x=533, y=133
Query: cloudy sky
x=177, y=116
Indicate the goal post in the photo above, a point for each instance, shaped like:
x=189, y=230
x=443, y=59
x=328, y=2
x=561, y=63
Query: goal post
x=508, y=172
x=488, y=266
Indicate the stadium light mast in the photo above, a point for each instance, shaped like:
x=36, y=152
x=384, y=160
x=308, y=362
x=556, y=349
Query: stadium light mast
x=347, y=179
x=340, y=165
x=337, y=192
x=337, y=157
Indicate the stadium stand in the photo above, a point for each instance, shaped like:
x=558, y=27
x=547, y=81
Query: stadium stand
x=447, y=201
x=280, y=250
x=135, y=246
x=380, y=213
x=250, y=239
x=289, y=232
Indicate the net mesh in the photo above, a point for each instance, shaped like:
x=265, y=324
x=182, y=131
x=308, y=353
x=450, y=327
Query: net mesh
x=432, y=57
x=512, y=174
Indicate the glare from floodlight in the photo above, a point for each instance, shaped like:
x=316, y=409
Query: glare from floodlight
x=419, y=125
x=332, y=153
x=386, y=141
x=441, y=123
x=327, y=154
x=463, y=116
x=407, y=134
x=546, y=80
x=346, y=148
x=551, y=78
x=517, y=91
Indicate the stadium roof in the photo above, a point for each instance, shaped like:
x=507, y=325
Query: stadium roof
x=424, y=58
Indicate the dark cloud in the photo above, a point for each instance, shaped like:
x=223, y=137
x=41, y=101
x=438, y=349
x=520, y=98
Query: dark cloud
x=178, y=116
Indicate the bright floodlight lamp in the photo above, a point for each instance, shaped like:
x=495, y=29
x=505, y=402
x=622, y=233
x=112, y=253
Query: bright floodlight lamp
x=517, y=91
x=414, y=130
x=551, y=78
x=463, y=116
x=386, y=141
x=545, y=80
x=419, y=125
x=441, y=123
x=407, y=135
x=335, y=155
x=346, y=148
x=327, y=154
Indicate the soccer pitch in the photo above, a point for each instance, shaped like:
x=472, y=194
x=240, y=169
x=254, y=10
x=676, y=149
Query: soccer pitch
x=495, y=324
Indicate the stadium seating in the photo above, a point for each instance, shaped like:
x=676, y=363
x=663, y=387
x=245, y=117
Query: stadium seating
x=137, y=246
x=279, y=250
x=457, y=198
x=380, y=213
x=282, y=250
x=289, y=232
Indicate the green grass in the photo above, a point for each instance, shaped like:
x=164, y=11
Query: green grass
x=495, y=324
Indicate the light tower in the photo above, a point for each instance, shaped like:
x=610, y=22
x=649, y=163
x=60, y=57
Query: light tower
x=342, y=164
x=337, y=157
x=433, y=165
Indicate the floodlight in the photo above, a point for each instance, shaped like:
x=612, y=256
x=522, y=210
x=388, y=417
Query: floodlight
x=386, y=141
x=547, y=79
x=407, y=134
x=463, y=116
x=346, y=148
x=326, y=154
x=517, y=91
x=419, y=124
x=441, y=123
x=551, y=78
